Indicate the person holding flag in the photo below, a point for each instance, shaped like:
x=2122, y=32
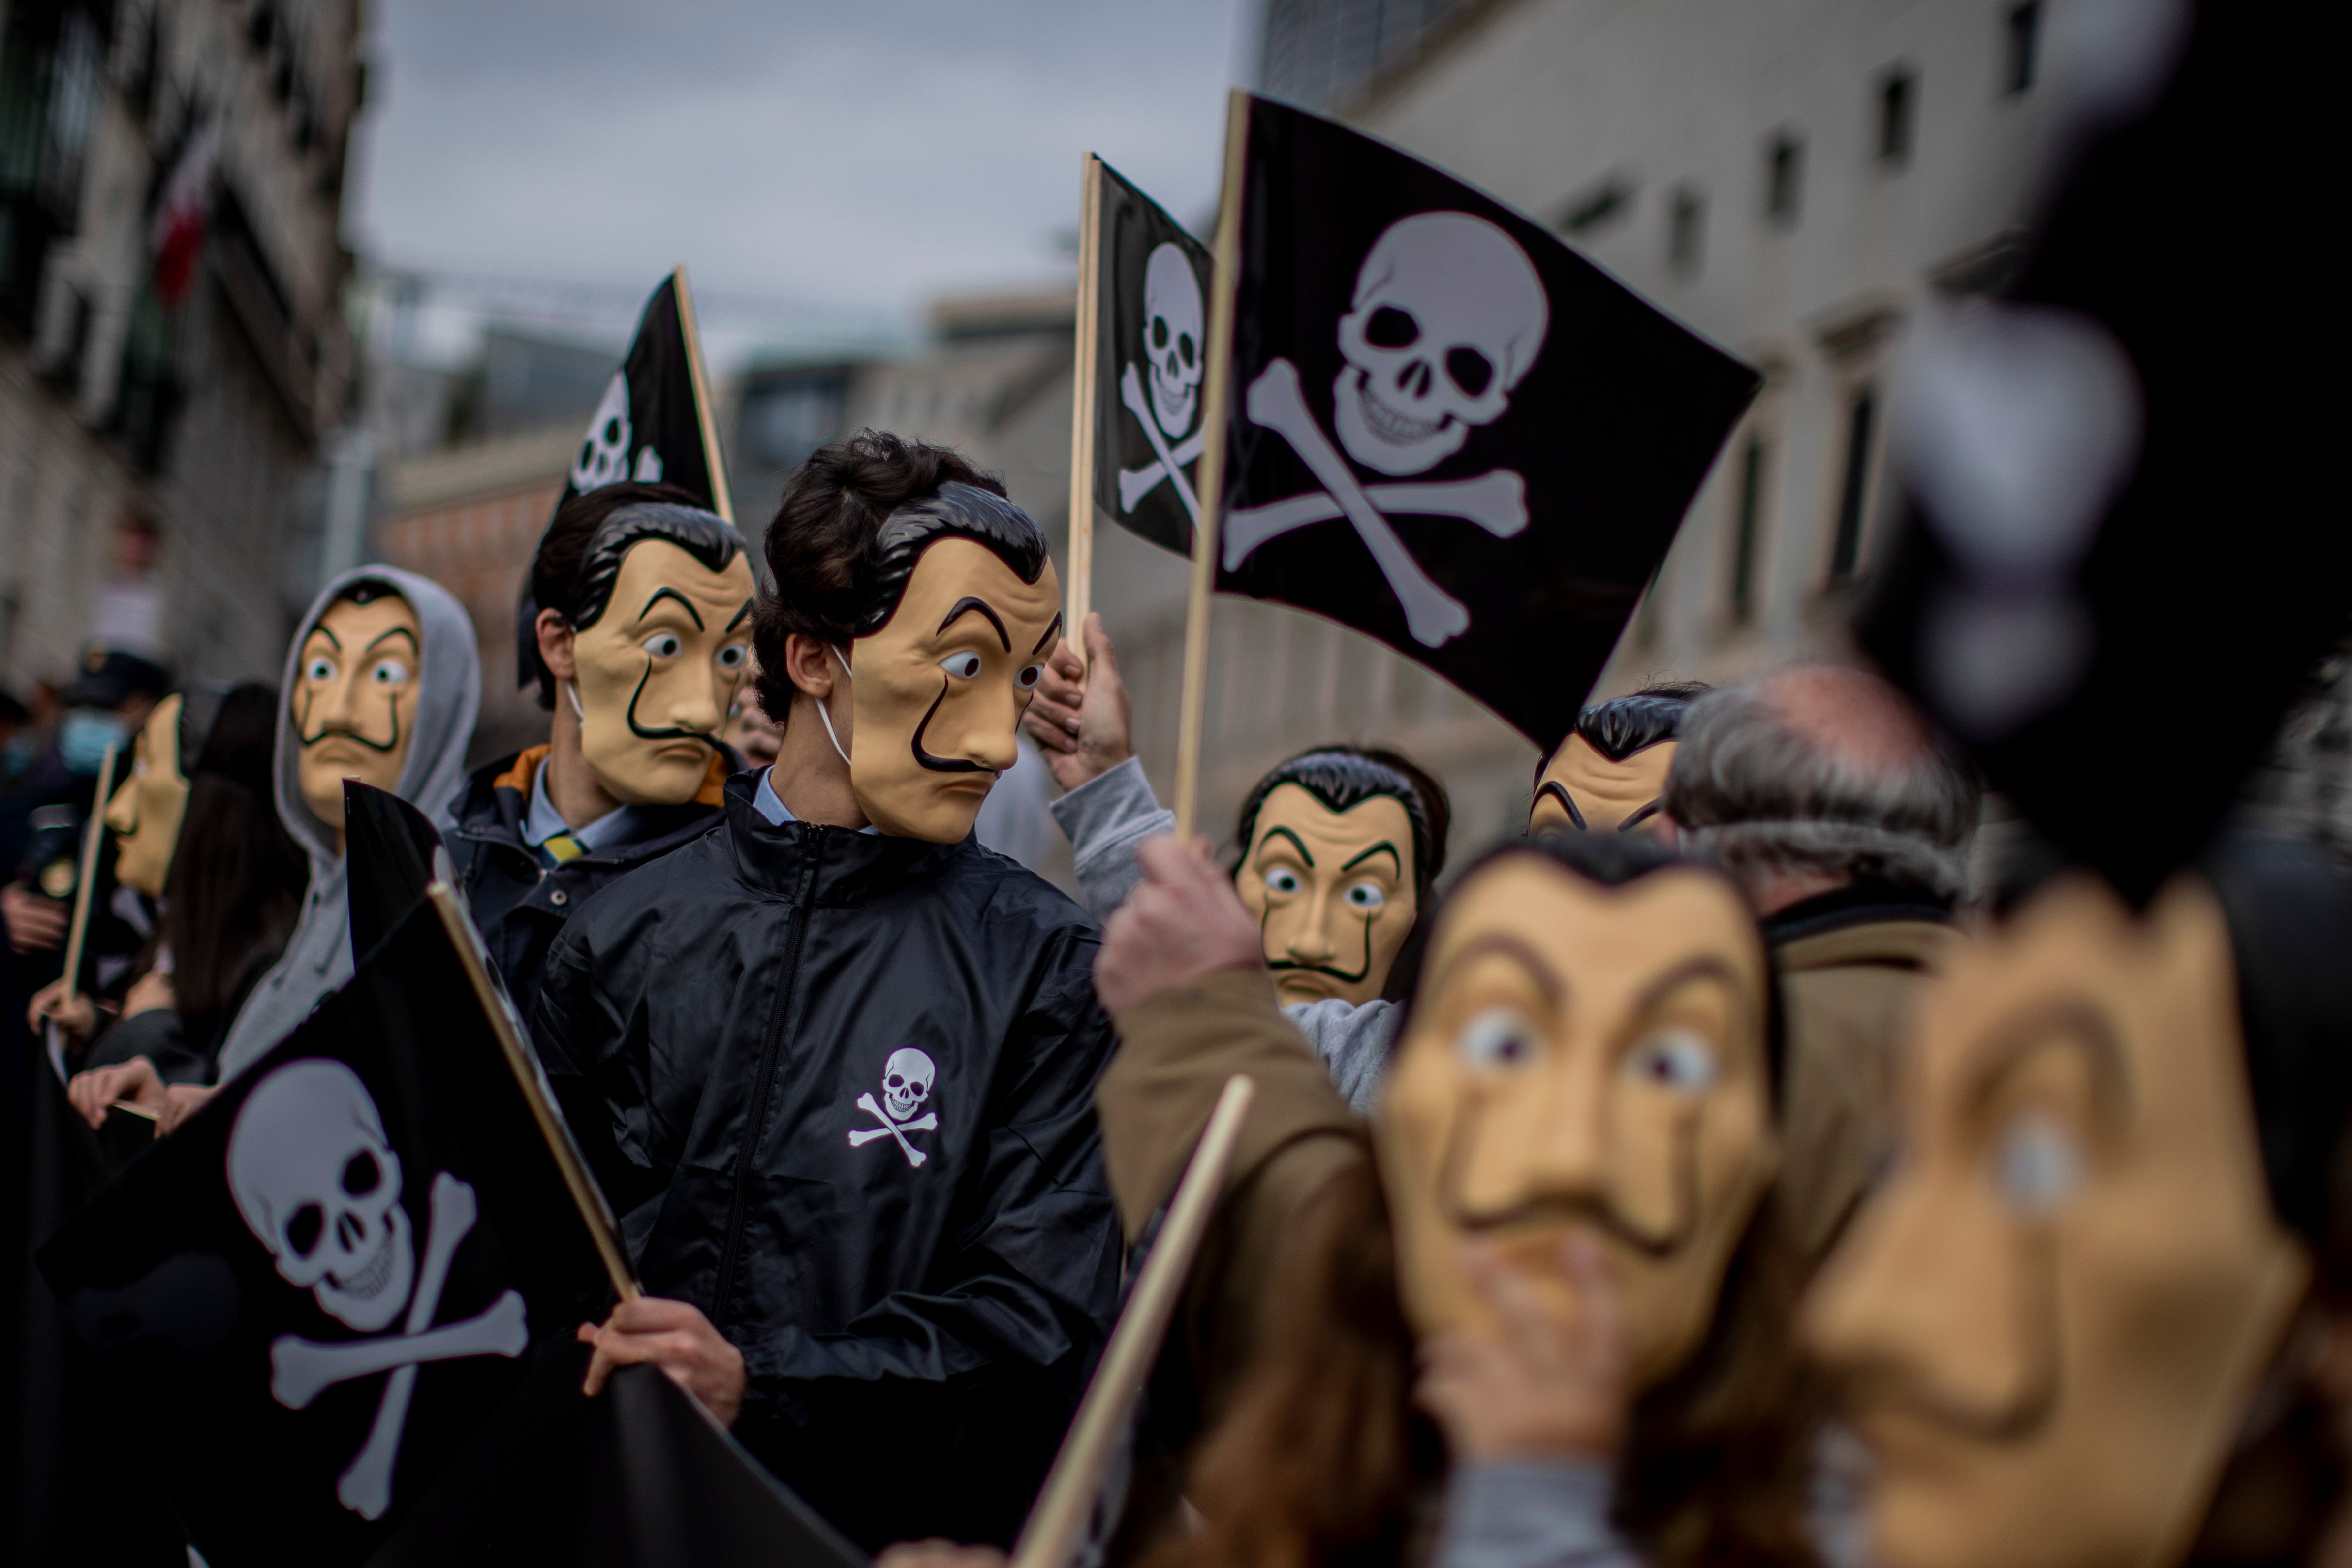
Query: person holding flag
x=833, y=1060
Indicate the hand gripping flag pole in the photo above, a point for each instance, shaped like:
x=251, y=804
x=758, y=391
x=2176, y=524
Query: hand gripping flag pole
x=585, y=1195
x=1104, y=1415
x=1217, y=389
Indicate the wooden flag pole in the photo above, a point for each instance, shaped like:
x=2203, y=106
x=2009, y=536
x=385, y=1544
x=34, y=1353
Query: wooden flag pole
x=1082, y=406
x=1068, y=1496
x=1224, y=283
x=721, y=501
x=585, y=1193
x=92, y=837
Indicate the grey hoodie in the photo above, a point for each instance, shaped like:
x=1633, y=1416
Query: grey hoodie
x=317, y=958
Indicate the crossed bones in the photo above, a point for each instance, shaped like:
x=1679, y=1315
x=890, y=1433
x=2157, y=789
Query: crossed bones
x=301, y=1369
x=1496, y=501
x=897, y=1130
x=1134, y=484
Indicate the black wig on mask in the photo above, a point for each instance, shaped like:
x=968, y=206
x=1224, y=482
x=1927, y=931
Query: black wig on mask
x=957, y=511
x=1342, y=777
x=1635, y=723
x=579, y=558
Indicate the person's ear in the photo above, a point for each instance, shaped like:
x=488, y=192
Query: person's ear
x=555, y=636
x=808, y=664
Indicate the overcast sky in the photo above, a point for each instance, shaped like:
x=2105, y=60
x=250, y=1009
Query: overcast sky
x=860, y=157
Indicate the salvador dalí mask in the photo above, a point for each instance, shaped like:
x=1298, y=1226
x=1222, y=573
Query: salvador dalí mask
x=354, y=698
x=1581, y=789
x=1333, y=891
x=939, y=685
x=2050, y=1324
x=144, y=812
x=658, y=665
x=1583, y=1056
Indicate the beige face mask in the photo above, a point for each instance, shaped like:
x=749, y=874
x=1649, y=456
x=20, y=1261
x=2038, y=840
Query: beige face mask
x=354, y=699
x=1582, y=1056
x=1332, y=892
x=2050, y=1322
x=144, y=813
x=937, y=693
x=1584, y=790
x=657, y=670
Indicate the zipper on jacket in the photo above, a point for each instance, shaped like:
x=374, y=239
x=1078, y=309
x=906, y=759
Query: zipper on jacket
x=730, y=1250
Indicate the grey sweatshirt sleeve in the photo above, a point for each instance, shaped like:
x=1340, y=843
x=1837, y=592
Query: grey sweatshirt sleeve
x=1530, y=1513
x=1106, y=818
x=1353, y=1042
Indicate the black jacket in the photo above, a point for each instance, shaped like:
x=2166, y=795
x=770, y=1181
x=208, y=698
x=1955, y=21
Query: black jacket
x=720, y=1026
x=520, y=905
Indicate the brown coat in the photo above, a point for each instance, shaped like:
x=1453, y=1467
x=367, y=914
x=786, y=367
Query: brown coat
x=1846, y=998
x=1176, y=1052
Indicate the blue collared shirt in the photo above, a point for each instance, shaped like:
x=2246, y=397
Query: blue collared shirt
x=770, y=805
x=543, y=822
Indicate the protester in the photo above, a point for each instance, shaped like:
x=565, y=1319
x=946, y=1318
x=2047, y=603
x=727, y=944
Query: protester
x=748, y=731
x=2078, y=1325
x=230, y=885
x=42, y=816
x=381, y=685
x=1609, y=773
x=1847, y=820
x=643, y=604
x=1642, y=1110
x=1378, y=819
x=832, y=1059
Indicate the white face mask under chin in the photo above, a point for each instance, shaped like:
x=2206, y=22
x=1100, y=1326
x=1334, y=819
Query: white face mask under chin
x=823, y=707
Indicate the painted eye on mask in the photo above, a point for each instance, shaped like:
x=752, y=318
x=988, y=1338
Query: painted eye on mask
x=663, y=644
x=2037, y=1164
x=1282, y=880
x=1674, y=1059
x=963, y=665
x=1366, y=897
x=389, y=672
x=733, y=656
x=1500, y=1038
x=320, y=670
x=1027, y=679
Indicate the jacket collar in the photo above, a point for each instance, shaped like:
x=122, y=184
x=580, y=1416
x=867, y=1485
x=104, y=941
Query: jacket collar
x=498, y=798
x=851, y=866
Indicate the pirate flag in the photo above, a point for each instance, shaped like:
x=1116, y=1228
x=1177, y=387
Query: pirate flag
x=2118, y=555
x=1445, y=429
x=1150, y=350
x=655, y=426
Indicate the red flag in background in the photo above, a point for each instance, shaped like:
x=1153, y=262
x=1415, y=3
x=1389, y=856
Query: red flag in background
x=182, y=213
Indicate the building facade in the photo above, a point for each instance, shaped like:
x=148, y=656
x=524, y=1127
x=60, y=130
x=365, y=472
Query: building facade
x=172, y=341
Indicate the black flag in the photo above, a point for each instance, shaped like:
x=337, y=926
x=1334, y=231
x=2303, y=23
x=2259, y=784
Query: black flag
x=315, y=1292
x=1151, y=351
x=1446, y=428
x=653, y=425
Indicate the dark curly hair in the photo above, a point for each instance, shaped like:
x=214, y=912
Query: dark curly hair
x=822, y=543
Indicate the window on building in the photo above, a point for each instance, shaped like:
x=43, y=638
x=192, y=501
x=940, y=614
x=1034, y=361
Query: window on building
x=1853, y=495
x=1784, y=177
x=1592, y=210
x=2024, y=35
x=1752, y=458
x=1686, y=232
x=1899, y=97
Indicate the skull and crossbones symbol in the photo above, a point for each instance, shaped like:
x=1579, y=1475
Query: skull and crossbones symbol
x=1175, y=348
x=907, y=1079
x=1447, y=318
x=603, y=457
x=319, y=1183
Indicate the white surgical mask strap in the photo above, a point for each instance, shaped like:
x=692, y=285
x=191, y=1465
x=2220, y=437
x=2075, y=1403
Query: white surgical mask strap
x=823, y=707
x=571, y=691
